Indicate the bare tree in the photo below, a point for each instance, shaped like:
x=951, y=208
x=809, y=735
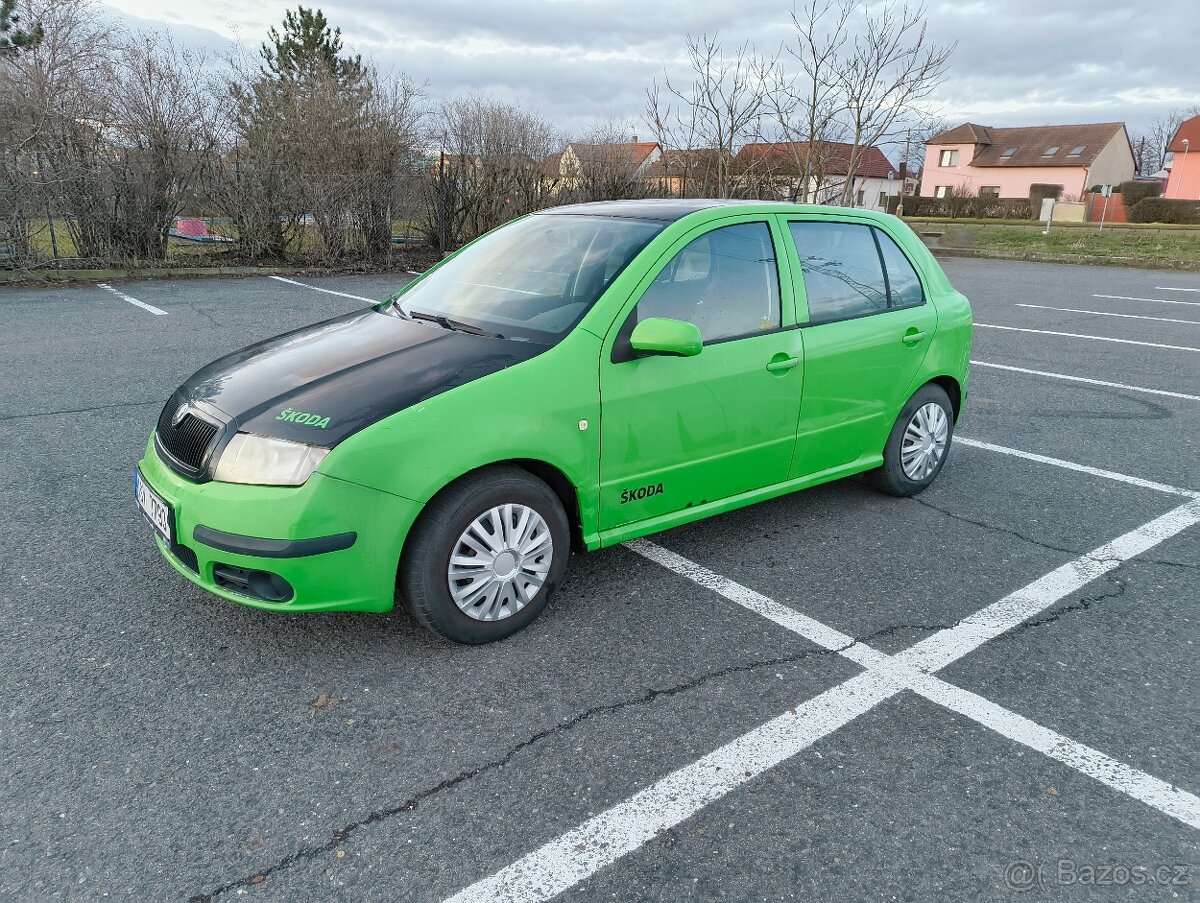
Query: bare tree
x=806, y=106
x=888, y=69
x=1150, y=146
x=488, y=169
x=609, y=164
x=720, y=109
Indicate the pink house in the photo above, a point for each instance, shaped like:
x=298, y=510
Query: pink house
x=1184, y=181
x=979, y=160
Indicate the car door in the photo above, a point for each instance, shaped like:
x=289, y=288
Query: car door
x=678, y=432
x=867, y=326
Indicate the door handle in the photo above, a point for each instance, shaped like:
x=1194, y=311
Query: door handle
x=912, y=335
x=781, y=363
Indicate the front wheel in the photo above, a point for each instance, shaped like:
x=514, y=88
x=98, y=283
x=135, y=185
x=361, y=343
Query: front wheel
x=917, y=446
x=485, y=555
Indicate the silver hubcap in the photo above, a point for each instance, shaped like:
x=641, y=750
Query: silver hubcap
x=500, y=562
x=924, y=442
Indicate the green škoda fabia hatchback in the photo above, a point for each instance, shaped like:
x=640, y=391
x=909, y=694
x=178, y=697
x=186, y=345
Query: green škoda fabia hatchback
x=574, y=379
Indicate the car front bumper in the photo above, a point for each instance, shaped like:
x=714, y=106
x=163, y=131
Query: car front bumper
x=336, y=544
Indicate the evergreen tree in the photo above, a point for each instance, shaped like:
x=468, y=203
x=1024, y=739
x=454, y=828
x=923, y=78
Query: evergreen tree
x=13, y=38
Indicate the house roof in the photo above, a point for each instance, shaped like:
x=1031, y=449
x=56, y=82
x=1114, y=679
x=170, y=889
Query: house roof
x=967, y=133
x=632, y=153
x=687, y=162
x=1189, y=129
x=833, y=157
x=1029, y=144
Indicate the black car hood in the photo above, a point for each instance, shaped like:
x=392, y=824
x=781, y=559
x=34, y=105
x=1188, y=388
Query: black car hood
x=327, y=381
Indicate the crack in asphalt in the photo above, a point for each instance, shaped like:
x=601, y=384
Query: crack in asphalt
x=1050, y=547
x=99, y=407
x=341, y=835
x=1083, y=603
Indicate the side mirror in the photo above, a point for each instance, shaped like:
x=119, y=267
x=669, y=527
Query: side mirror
x=662, y=335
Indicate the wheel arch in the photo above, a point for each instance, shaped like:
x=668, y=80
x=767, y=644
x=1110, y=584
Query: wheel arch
x=953, y=390
x=551, y=475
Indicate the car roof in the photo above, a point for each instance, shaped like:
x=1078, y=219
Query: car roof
x=672, y=209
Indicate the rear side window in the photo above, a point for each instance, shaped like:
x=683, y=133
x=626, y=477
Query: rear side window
x=904, y=285
x=852, y=270
x=726, y=282
x=843, y=274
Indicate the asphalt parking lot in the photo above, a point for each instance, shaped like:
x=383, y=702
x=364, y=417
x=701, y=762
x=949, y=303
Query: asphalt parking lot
x=984, y=693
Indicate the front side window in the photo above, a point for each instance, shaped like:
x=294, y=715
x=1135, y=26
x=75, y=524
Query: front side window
x=530, y=280
x=843, y=275
x=726, y=282
x=949, y=158
x=942, y=191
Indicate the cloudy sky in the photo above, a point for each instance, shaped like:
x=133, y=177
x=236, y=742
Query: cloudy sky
x=1018, y=62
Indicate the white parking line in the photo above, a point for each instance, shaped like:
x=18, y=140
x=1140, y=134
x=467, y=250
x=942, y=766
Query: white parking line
x=1080, y=468
x=327, y=291
x=1155, y=300
x=1084, y=379
x=910, y=669
x=946, y=646
x=134, y=301
x=1164, y=288
x=1096, y=338
x=603, y=839
x=1106, y=313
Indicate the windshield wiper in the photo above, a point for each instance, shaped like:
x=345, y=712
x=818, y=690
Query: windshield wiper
x=447, y=323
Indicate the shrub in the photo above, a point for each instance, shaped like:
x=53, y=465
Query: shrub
x=966, y=208
x=1161, y=210
x=1038, y=192
x=1133, y=191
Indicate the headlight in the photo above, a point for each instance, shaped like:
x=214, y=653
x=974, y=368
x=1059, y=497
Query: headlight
x=267, y=462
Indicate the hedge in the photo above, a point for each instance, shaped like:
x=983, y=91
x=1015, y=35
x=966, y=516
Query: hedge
x=1135, y=192
x=964, y=207
x=1161, y=210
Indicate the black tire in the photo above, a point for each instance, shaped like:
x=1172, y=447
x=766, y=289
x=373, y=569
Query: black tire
x=423, y=584
x=891, y=478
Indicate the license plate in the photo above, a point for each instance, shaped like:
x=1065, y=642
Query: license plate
x=157, y=511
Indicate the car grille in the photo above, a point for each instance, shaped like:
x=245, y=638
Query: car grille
x=187, y=441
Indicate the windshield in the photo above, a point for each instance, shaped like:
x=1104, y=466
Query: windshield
x=530, y=280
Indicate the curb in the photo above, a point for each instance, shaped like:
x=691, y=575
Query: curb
x=56, y=277
x=1141, y=263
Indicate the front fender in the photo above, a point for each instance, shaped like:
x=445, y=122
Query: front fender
x=545, y=409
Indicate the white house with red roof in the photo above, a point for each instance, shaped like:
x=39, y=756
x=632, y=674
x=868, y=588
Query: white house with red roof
x=780, y=167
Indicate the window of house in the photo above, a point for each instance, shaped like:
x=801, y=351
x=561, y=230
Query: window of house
x=941, y=191
x=1077, y=151
x=1008, y=152
x=949, y=158
x=861, y=197
x=882, y=202
x=989, y=191
x=842, y=270
x=726, y=282
x=1050, y=151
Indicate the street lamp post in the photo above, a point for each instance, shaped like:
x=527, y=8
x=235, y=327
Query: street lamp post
x=1183, y=166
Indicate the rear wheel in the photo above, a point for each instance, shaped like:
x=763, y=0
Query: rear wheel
x=485, y=555
x=917, y=446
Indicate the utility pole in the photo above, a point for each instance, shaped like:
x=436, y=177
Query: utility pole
x=904, y=174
